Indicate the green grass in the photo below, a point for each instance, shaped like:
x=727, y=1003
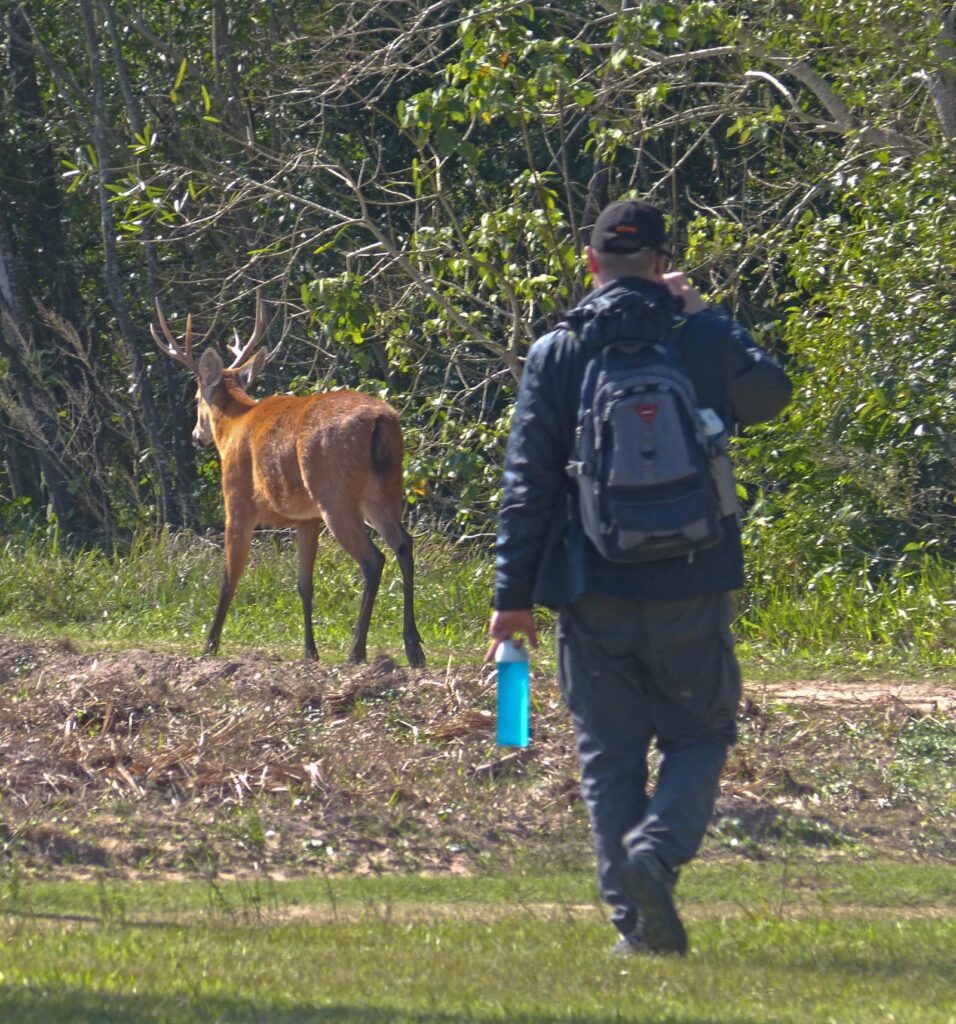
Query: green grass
x=771, y=943
x=818, y=936
x=162, y=590
x=784, y=884
x=903, y=623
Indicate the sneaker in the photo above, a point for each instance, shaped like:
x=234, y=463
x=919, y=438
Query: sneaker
x=630, y=945
x=648, y=883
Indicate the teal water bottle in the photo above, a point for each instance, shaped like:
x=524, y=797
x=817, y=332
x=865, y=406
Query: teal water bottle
x=514, y=694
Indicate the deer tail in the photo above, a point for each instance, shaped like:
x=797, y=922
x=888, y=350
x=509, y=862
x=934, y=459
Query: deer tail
x=386, y=446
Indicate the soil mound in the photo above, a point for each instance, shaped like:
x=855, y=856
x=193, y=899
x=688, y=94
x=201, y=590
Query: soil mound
x=149, y=761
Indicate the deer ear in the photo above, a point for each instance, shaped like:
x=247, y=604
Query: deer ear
x=252, y=368
x=210, y=368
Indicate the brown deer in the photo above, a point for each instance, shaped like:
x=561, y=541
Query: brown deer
x=298, y=461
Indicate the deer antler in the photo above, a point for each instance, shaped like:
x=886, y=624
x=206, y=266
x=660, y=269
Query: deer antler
x=243, y=352
x=182, y=354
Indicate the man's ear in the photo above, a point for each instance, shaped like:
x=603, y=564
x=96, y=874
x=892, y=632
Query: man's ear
x=593, y=265
x=210, y=368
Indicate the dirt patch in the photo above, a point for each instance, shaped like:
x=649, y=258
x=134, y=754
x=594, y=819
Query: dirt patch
x=146, y=761
x=931, y=698
x=320, y=914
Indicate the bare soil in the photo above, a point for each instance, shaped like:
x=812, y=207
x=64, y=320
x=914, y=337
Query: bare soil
x=142, y=761
x=918, y=696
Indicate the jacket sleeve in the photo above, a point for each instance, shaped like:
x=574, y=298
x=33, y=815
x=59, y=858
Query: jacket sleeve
x=535, y=482
x=759, y=387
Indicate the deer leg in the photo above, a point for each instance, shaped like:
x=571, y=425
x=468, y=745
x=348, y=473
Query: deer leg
x=410, y=634
x=371, y=567
x=350, y=532
x=400, y=541
x=308, y=538
x=238, y=538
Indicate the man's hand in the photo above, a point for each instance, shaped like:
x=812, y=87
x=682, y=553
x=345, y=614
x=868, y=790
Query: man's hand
x=504, y=625
x=677, y=284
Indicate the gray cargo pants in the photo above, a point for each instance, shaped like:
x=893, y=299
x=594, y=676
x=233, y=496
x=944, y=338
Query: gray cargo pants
x=632, y=671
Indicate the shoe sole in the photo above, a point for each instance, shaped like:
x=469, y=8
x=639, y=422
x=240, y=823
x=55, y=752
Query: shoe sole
x=662, y=929
x=628, y=948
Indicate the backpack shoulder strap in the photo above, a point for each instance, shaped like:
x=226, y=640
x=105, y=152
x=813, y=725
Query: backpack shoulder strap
x=578, y=464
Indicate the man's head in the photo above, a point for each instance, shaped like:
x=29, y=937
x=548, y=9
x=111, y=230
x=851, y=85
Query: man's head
x=629, y=239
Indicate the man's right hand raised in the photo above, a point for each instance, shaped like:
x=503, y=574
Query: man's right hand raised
x=677, y=284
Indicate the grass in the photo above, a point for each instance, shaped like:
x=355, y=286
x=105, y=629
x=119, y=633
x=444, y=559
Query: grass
x=903, y=623
x=771, y=943
x=161, y=592
x=791, y=883
x=792, y=917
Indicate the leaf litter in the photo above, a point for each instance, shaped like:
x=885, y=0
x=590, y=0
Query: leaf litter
x=149, y=762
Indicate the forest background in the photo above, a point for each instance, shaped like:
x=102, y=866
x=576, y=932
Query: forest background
x=410, y=185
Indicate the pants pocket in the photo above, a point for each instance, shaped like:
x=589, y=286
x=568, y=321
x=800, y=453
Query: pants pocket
x=564, y=657
x=697, y=678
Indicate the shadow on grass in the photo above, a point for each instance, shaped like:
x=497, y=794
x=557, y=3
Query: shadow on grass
x=928, y=966
x=76, y=1006
x=93, y=919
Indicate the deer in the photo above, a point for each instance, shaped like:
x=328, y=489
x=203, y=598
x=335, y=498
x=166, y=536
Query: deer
x=333, y=457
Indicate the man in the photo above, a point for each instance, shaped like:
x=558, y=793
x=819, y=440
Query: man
x=645, y=650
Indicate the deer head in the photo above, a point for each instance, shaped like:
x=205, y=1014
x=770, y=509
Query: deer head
x=213, y=377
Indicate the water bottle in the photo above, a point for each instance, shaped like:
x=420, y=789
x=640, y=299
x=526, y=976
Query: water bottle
x=721, y=466
x=514, y=694
x=714, y=427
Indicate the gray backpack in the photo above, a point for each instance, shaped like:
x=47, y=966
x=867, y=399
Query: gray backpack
x=652, y=472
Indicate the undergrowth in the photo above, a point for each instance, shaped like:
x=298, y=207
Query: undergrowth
x=160, y=592
x=900, y=622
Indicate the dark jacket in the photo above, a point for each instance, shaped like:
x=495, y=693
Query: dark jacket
x=542, y=554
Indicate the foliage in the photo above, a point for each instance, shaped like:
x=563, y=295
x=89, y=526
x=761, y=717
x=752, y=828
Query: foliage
x=412, y=186
x=864, y=462
x=160, y=590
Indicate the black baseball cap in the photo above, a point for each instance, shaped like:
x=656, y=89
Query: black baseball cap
x=629, y=225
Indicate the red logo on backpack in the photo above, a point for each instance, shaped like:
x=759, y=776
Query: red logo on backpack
x=646, y=410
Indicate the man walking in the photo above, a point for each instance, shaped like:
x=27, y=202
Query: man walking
x=645, y=650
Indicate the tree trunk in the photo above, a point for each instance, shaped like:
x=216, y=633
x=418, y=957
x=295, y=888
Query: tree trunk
x=942, y=83
x=47, y=260
x=227, y=75
x=112, y=272
x=41, y=431
x=180, y=426
x=21, y=466
x=43, y=251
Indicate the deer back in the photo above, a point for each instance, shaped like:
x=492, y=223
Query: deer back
x=297, y=455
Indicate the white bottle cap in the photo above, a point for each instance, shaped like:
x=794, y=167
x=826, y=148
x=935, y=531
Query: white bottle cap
x=511, y=650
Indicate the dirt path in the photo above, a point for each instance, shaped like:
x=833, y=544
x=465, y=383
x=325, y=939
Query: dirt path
x=926, y=697
x=419, y=912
